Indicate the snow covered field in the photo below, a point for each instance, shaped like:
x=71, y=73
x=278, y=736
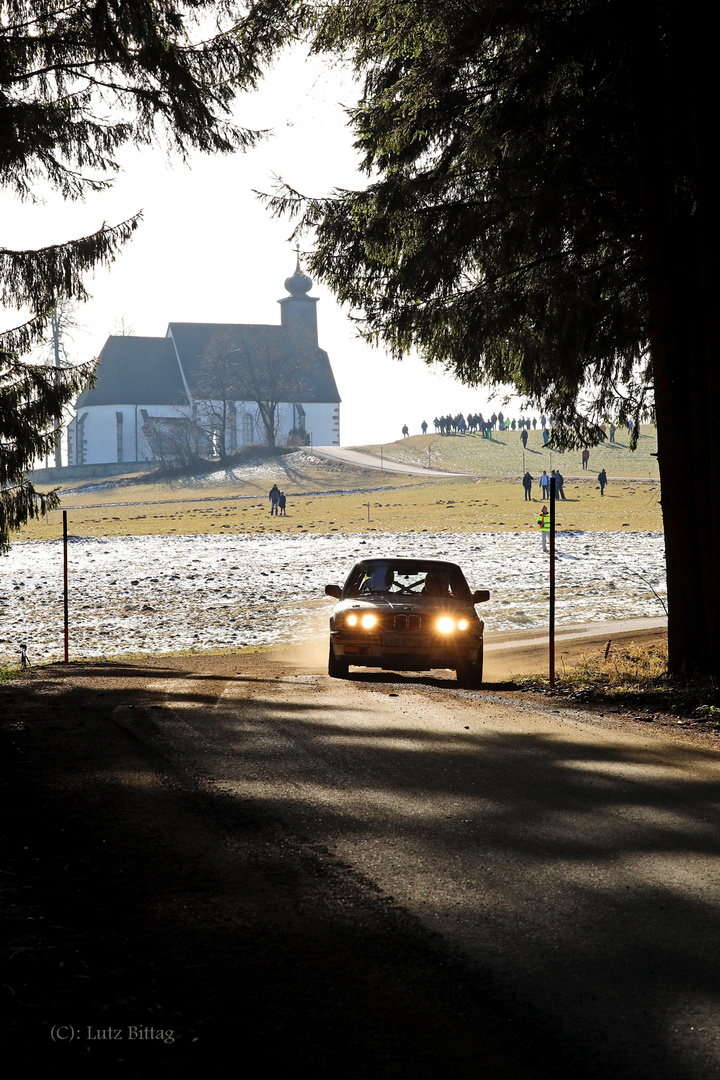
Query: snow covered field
x=161, y=594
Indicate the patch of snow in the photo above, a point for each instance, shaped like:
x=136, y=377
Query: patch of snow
x=155, y=594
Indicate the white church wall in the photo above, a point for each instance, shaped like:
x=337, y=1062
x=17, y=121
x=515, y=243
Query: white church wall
x=108, y=441
x=322, y=422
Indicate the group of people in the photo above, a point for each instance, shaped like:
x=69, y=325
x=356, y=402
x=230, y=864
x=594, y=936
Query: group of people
x=278, y=501
x=544, y=483
x=476, y=422
x=555, y=474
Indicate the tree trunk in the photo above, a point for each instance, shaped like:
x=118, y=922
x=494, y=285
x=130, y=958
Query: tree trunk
x=680, y=257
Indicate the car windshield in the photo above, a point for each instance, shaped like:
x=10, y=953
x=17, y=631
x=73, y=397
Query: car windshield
x=406, y=577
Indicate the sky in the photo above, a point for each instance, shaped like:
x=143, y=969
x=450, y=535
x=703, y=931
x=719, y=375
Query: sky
x=207, y=250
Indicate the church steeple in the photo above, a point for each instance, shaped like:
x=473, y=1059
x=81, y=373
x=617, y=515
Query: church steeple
x=298, y=311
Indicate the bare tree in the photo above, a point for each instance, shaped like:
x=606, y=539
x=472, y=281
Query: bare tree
x=63, y=321
x=123, y=327
x=173, y=440
x=236, y=367
x=215, y=396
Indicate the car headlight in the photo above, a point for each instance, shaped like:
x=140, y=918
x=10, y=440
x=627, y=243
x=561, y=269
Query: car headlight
x=446, y=625
x=367, y=621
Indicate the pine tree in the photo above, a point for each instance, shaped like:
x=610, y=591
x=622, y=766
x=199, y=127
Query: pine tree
x=540, y=212
x=78, y=80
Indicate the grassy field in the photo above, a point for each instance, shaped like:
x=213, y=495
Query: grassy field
x=503, y=455
x=327, y=497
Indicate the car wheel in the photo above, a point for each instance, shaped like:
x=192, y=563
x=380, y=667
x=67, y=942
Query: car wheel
x=337, y=669
x=469, y=674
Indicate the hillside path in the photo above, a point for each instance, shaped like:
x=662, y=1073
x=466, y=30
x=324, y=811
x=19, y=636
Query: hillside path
x=371, y=461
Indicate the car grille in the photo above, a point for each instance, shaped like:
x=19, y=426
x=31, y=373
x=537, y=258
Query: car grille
x=404, y=623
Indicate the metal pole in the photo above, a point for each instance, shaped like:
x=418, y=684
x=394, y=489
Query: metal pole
x=65, y=581
x=552, y=584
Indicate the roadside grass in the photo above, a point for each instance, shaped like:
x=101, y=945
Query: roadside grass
x=635, y=678
x=8, y=673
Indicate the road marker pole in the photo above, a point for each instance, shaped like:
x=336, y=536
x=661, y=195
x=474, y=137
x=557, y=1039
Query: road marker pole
x=65, y=581
x=552, y=585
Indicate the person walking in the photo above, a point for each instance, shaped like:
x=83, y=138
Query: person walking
x=585, y=457
x=282, y=503
x=524, y=437
x=527, y=484
x=602, y=481
x=274, y=497
x=405, y=431
x=544, y=523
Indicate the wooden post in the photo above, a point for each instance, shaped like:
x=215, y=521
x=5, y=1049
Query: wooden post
x=551, y=664
x=65, y=581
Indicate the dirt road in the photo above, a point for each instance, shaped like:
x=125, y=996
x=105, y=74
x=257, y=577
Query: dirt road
x=384, y=877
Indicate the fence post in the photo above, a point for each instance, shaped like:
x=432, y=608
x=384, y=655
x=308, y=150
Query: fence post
x=552, y=585
x=65, y=581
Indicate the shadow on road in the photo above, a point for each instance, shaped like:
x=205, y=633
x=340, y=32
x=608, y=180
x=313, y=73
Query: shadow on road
x=170, y=845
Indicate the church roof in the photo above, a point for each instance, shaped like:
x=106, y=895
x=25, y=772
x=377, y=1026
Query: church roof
x=284, y=363
x=136, y=371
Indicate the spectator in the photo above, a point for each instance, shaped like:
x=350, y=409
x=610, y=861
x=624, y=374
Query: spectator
x=544, y=523
x=282, y=503
x=602, y=481
x=405, y=431
x=559, y=485
x=527, y=484
x=424, y=427
x=545, y=485
x=585, y=457
x=546, y=436
x=274, y=497
x=524, y=437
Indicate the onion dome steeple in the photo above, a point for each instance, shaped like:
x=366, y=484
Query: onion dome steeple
x=298, y=309
x=299, y=284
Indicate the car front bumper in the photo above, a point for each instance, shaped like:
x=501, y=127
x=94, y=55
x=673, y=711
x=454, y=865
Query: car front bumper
x=397, y=652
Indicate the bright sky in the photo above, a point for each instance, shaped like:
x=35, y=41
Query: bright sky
x=208, y=251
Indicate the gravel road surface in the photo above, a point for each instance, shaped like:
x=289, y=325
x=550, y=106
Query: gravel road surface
x=379, y=877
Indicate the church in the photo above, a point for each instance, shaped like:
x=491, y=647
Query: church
x=225, y=385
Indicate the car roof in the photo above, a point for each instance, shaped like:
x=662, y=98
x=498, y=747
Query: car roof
x=406, y=560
